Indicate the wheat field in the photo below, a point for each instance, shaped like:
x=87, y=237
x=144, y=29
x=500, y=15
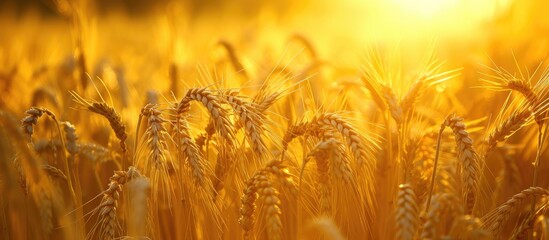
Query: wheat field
x=274, y=119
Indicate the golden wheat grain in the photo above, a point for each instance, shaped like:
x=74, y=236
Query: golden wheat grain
x=110, y=114
x=406, y=213
x=27, y=124
x=261, y=186
x=158, y=160
x=251, y=119
x=191, y=151
x=467, y=160
x=340, y=164
x=525, y=89
x=273, y=212
x=109, y=227
x=262, y=103
x=281, y=171
x=508, y=127
x=156, y=134
x=495, y=220
x=221, y=123
x=295, y=130
x=33, y=114
x=411, y=146
x=323, y=153
x=351, y=135
x=247, y=209
x=54, y=172
x=71, y=138
x=375, y=91
x=392, y=103
x=410, y=98
x=219, y=115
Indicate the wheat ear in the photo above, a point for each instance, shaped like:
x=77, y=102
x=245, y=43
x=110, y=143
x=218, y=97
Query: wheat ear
x=250, y=118
x=410, y=98
x=406, y=212
x=323, y=153
x=27, y=126
x=221, y=123
x=260, y=185
x=111, y=115
x=495, y=220
x=191, y=151
x=508, y=127
x=108, y=224
x=219, y=115
x=28, y=122
x=467, y=159
x=156, y=138
x=54, y=172
x=392, y=103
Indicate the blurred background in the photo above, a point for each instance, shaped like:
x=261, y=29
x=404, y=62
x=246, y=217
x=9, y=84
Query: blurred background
x=143, y=40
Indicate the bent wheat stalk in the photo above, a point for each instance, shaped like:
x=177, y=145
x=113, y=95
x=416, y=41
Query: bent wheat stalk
x=115, y=121
x=495, y=220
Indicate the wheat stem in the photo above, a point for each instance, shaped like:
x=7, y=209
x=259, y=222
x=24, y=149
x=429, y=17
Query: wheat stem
x=432, y=185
